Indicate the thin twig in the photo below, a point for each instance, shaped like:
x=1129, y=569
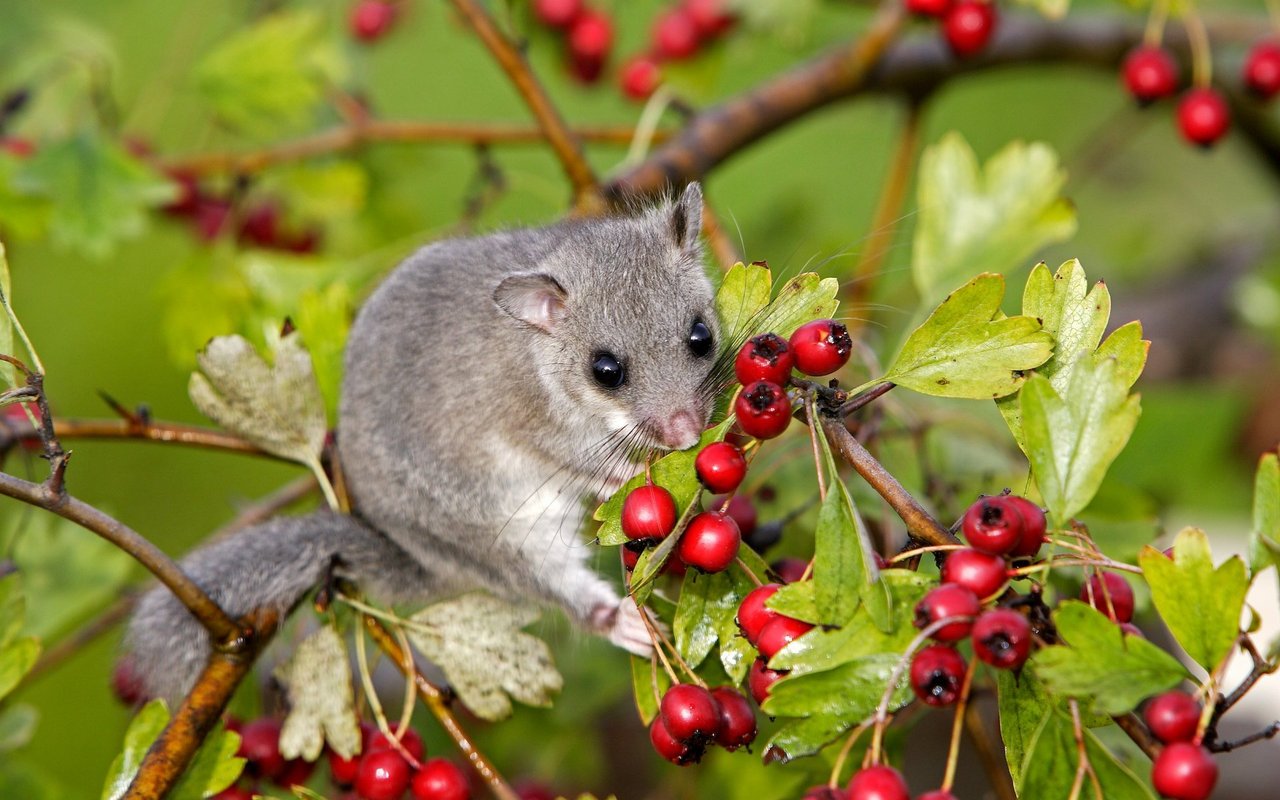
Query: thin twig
x=167, y=432
x=1268, y=732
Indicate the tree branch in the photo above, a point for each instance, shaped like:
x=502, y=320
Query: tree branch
x=144, y=430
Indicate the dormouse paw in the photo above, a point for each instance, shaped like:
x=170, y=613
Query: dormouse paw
x=624, y=627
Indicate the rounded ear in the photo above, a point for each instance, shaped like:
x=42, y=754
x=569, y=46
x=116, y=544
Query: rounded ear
x=686, y=217
x=535, y=299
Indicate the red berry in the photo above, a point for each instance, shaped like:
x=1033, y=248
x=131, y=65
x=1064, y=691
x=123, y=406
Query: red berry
x=709, y=17
x=878, y=783
x=1262, y=69
x=710, y=543
x=17, y=146
x=737, y=720
x=260, y=746
x=979, y=572
x=383, y=775
x=1173, y=717
x=410, y=741
x=674, y=35
x=557, y=13
x=591, y=36
x=753, y=614
x=532, y=790
x=689, y=713
x=1033, y=527
x=234, y=793
x=821, y=347
x=763, y=409
x=631, y=553
x=743, y=512
x=261, y=225
x=1002, y=638
x=790, y=569
x=778, y=633
x=993, y=525
x=720, y=467
x=640, y=77
x=212, y=216
x=1150, y=73
x=126, y=684
x=1203, y=116
x=440, y=779
x=671, y=748
x=648, y=512
x=343, y=770
x=188, y=200
x=766, y=357
x=968, y=27
x=948, y=600
x=1110, y=594
x=761, y=678
x=296, y=773
x=371, y=19
x=937, y=675
x=1184, y=771
x=929, y=8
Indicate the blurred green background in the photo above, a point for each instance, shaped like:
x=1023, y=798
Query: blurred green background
x=1154, y=216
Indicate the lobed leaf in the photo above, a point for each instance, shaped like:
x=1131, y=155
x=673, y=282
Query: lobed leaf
x=743, y=295
x=1049, y=769
x=849, y=692
x=1265, y=539
x=321, y=699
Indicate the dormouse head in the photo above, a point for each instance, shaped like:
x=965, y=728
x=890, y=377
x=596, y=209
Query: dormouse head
x=624, y=323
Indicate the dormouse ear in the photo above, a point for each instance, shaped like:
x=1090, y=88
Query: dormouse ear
x=533, y=298
x=686, y=217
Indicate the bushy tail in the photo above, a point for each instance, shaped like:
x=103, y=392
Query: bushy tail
x=269, y=566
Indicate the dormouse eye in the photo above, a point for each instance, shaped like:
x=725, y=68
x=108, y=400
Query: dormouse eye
x=700, y=340
x=607, y=371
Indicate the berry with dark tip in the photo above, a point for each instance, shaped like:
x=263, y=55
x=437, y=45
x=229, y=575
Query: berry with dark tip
x=710, y=543
x=1184, y=771
x=766, y=357
x=1110, y=594
x=1150, y=73
x=631, y=553
x=383, y=775
x=948, y=600
x=440, y=779
x=779, y=633
x=1262, y=69
x=753, y=614
x=1033, y=527
x=821, y=347
x=968, y=26
x=648, y=512
x=669, y=747
x=296, y=772
x=761, y=678
x=737, y=719
x=342, y=771
x=937, y=675
x=1002, y=638
x=993, y=525
x=1172, y=717
x=1203, y=116
x=763, y=409
x=979, y=572
x=260, y=747
x=689, y=713
x=878, y=783
x=720, y=467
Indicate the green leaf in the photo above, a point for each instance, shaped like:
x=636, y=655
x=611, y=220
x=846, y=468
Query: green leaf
x=477, y=641
x=17, y=726
x=804, y=298
x=991, y=219
x=1201, y=605
x=324, y=318
x=849, y=692
x=1100, y=665
x=272, y=75
x=13, y=607
x=1023, y=707
x=648, y=683
x=99, y=193
x=214, y=767
x=704, y=602
x=142, y=731
x=16, y=660
x=24, y=209
x=743, y=294
x=321, y=700
x=796, y=600
x=1051, y=764
x=1072, y=437
x=6, y=325
x=1266, y=513
x=961, y=350
x=805, y=737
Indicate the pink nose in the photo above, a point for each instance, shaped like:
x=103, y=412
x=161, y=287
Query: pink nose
x=681, y=430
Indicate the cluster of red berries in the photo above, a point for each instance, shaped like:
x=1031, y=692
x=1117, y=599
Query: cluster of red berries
x=678, y=34
x=690, y=718
x=588, y=35
x=877, y=782
x=763, y=367
x=210, y=216
x=768, y=631
x=967, y=25
x=996, y=528
x=370, y=20
x=1184, y=769
x=383, y=771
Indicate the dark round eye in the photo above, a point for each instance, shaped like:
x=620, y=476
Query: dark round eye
x=607, y=371
x=700, y=338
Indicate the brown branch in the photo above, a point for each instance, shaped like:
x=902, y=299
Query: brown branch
x=361, y=132
x=1137, y=731
x=1269, y=732
x=920, y=524
x=177, y=744
x=143, y=430
x=436, y=701
x=563, y=142
x=220, y=626
x=83, y=636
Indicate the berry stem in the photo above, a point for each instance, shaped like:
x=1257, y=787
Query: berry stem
x=754, y=577
x=881, y=718
x=1201, y=54
x=933, y=548
x=1083, y=767
x=1154, y=31
x=843, y=756
x=962, y=703
x=813, y=440
x=1115, y=566
x=659, y=639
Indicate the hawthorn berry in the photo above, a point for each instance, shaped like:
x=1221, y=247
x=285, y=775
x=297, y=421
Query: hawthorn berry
x=440, y=779
x=821, y=347
x=1033, y=527
x=1184, y=771
x=981, y=573
x=742, y=511
x=557, y=13
x=710, y=543
x=1262, y=69
x=937, y=674
x=591, y=36
x=296, y=772
x=383, y=775
x=737, y=720
x=1150, y=73
x=410, y=741
x=766, y=357
x=720, y=467
x=968, y=26
x=753, y=614
x=675, y=36
x=1203, y=116
x=778, y=633
x=880, y=782
x=948, y=600
x=1172, y=717
x=993, y=525
x=790, y=569
x=260, y=747
x=126, y=684
x=532, y=790
x=1110, y=594
x=648, y=512
x=709, y=17
x=760, y=678
x=370, y=20
x=763, y=409
x=640, y=77
x=631, y=553
x=690, y=713
x=671, y=748
x=342, y=771
x=234, y=793
x=1002, y=638
x=929, y=8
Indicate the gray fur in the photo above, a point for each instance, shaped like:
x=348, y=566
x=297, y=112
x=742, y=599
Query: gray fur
x=471, y=430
